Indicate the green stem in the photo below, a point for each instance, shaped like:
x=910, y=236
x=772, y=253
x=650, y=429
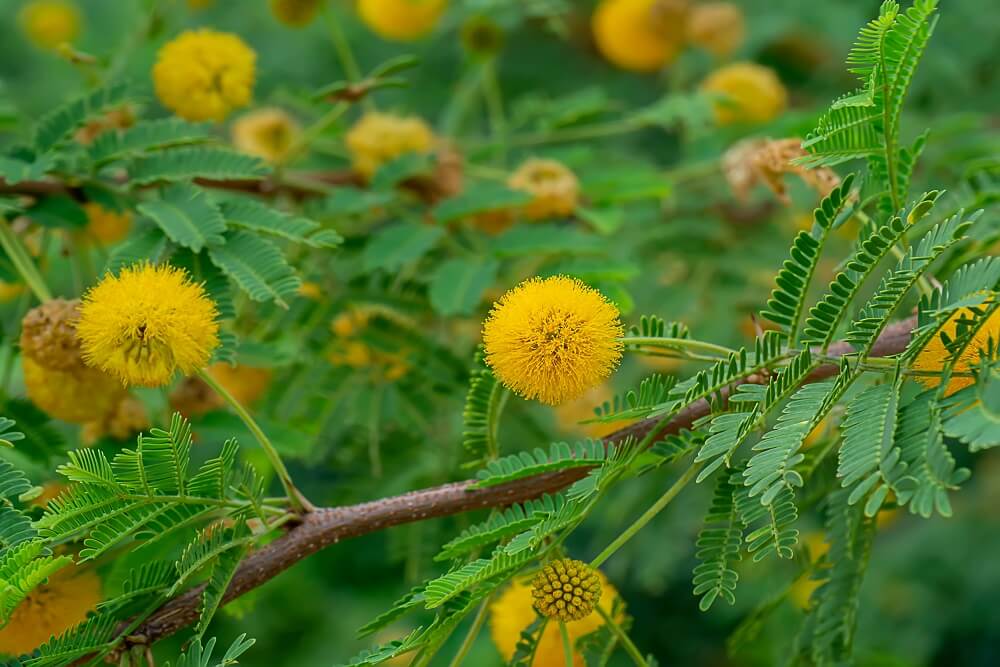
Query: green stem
x=342, y=47
x=316, y=129
x=470, y=638
x=623, y=637
x=678, y=343
x=647, y=516
x=22, y=262
x=595, y=131
x=494, y=106
x=567, y=646
x=299, y=502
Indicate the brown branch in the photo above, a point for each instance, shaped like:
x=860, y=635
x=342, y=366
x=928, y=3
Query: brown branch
x=325, y=527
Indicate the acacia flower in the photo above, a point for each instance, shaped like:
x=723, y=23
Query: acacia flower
x=554, y=189
x=378, y=138
x=146, y=323
x=566, y=589
x=750, y=93
x=552, y=339
x=105, y=225
x=935, y=355
x=267, y=133
x=125, y=420
x=51, y=609
x=295, y=13
x=717, y=27
x=639, y=35
x=204, y=74
x=401, y=20
x=49, y=23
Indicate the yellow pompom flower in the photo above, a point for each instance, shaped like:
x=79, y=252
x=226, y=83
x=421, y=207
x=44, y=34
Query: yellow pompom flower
x=51, y=609
x=105, y=225
x=401, y=20
x=750, y=93
x=566, y=590
x=935, y=355
x=267, y=133
x=378, y=138
x=146, y=323
x=554, y=189
x=49, y=23
x=204, y=74
x=552, y=339
x=639, y=35
x=717, y=27
x=514, y=611
x=295, y=13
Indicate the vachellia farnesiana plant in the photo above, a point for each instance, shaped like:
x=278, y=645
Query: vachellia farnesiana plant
x=906, y=388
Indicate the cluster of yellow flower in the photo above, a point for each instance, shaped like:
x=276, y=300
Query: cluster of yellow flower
x=349, y=349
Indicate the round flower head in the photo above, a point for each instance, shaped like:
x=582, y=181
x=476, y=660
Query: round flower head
x=552, y=339
x=401, y=20
x=378, y=138
x=105, y=225
x=750, y=93
x=935, y=355
x=295, y=13
x=639, y=35
x=514, y=611
x=79, y=395
x=49, y=23
x=146, y=323
x=566, y=590
x=204, y=74
x=48, y=335
x=553, y=187
x=51, y=609
x=717, y=27
x=267, y=133
x=482, y=37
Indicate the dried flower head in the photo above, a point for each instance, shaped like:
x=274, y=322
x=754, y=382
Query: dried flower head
x=640, y=35
x=766, y=161
x=48, y=335
x=401, y=20
x=49, y=23
x=114, y=119
x=378, y=138
x=750, y=93
x=552, y=339
x=146, y=323
x=566, y=589
x=717, y=27
x=267, y=133
x=204, y=74
x=936, y=354
x=105, y=225
x=123, y=422
x=295, y=13
x=51, y=609
x=554, y=189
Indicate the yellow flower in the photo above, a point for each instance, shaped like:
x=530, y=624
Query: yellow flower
x=514, y=611
x=751, y=93
x=266, y=133
x=552, y=339
x=105, y=225
x=310, y=290
x=717, y=27
x=78, y=396
x=804, y=586
x=378, y=138
x=295, y=13
x=10, y=291
x=566, y=589
x=401, y=20
x=553, y=187
x=571, y=413
x=204, y=74
x=146, y=323
x=934, y=356
x=51, y=609
x=49, y=23
x=126, y=419
x=246, y=383
x=639, y=35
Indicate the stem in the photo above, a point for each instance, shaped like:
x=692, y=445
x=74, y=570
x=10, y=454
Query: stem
x=678, y=343
x=470, y=638
x=494, y=106
x=342, y=47
x=316, y=129
x=567, y=646
x=647, y=516
x=22, y=262
x=299, y=502
x=623, y=637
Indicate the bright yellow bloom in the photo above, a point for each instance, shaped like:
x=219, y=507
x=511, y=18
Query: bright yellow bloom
x=78, y=396
x=935, y=355
x=553, y=187
x=295, y=13
x=401, y=20
x=751, y=93
x=378, y=138
x=552, y=339
x=146, y=323
x=267, y=133
x=639, y=35
x=105, y=225
x=717, y=27
x=49, y=23
x=566, y=590
x=51, y=609
x=514, y=611
x=204, y=74
x=246, y=383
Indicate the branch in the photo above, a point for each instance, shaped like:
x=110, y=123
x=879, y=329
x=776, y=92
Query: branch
x=325, y=527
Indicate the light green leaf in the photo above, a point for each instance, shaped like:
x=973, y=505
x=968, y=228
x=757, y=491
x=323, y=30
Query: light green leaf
x=257, y=266
x=399, y=244
x=185, y=214
x=458, y=285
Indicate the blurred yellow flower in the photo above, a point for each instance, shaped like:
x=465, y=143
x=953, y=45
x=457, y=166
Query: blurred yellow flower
x=199, y=4
x=553, y=187
x=105, y=225
x=751, y=93
x=934, y=356
x=717, y=27
x=125, y=420
x=295, y=13
x=552, y=339
x=401, y=20
x=246, y=383
x=51, y=609
x=78, y=396
x=640, y=35
x=804, y=586
x=267, y=133
x=204, y=74
x=571, y=413
x=146, y=323
x=514, y=611
x=10, y=291
x=378, y=138
x=49, y=23
x=310, y=290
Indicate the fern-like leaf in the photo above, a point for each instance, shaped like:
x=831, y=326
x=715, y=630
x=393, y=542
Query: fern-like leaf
x=718, y=548
x=186, y=216
x=560, y=456
x=145, y=136
x=184, y=164
x=257, y=267
x=253, y=215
